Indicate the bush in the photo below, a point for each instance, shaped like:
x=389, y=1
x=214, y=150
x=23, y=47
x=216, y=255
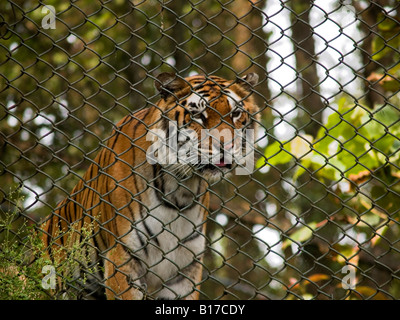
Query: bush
x=21, y=256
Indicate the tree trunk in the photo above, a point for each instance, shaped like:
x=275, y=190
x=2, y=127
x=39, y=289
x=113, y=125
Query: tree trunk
x=303, y=43
x=369, y=27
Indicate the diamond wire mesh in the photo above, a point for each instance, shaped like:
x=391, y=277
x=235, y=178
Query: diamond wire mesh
x=321, y=209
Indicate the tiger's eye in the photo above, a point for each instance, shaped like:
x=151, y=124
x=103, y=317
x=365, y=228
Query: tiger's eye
x=236, y=113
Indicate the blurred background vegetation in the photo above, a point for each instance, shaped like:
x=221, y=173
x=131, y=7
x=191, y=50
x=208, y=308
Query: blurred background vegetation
x=325, y=191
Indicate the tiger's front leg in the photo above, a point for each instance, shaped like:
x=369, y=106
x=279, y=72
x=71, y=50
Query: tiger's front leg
x=184, y=285
x=121, y=272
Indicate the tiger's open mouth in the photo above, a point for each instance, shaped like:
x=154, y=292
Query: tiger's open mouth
x=221, y=165
x=212, y=166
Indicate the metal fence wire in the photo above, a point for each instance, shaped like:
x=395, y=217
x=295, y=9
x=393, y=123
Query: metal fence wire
x=85, y=215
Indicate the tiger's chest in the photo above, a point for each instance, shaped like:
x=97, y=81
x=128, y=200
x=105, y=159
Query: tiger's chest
x=167, y=238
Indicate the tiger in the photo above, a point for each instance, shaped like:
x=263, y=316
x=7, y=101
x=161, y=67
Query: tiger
x=149, y=217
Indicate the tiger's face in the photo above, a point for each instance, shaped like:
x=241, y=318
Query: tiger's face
x=206, y=125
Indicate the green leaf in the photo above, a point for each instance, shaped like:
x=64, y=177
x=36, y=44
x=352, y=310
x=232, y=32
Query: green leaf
x=300, y=235
x=371, y=219
x=278, y=153
x=382, y=45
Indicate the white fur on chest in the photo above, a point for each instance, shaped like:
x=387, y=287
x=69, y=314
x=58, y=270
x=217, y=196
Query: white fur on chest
x=174, y=243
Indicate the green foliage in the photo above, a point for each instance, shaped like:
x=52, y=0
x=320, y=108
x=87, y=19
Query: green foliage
x=386, y=42
x=352, y=140
x=21, y=257
x=385, y=48
x=73, y=263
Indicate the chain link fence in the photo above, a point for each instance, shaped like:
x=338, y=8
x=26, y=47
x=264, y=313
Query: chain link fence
x=317, y=218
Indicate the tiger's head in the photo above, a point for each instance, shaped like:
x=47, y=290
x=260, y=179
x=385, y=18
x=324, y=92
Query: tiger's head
x=205, y=125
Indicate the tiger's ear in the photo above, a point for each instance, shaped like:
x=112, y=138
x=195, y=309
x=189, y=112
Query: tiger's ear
x=248, y=81
x=168, y=83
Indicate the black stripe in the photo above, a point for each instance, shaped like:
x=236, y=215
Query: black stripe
x=62, y=233
x=143, y=119
x=148, y=230
x=186, y=273
x=134, y=137
x=204, y=92
x=101, y=159
x=159, y=188
x=97, y=244
x=142, y=242
x=108, y=153
x=208, y=85
x=198, y=81
x=117, y=133
x=137, y=261
x=136, y=116
x=165, y=125
x=72, y=216
x=191, y=205
x=150, y=233
x=169, y=204
x=156, y=182
x=131, y=118
x=192, y=106
x=165, y=201
x=185, y=113
x=196, y=233
x=139, y=121
x=94, y=174
x=90, y=173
